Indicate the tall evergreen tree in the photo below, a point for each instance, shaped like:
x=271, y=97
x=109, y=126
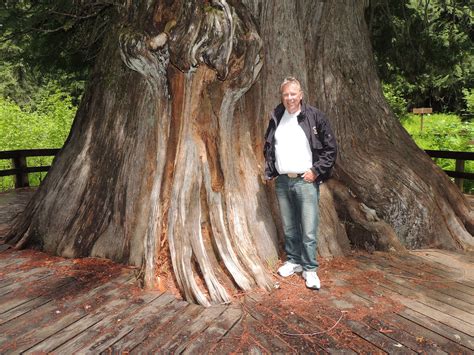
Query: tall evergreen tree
x=425, y=49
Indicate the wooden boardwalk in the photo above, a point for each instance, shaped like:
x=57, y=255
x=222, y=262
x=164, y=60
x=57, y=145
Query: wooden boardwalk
x=422, y=301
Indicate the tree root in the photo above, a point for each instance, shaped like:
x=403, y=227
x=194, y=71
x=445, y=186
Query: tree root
x=364, y=228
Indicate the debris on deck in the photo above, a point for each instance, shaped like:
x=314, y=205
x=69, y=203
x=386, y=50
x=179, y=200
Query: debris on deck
x=368, y=303
x=421, y=301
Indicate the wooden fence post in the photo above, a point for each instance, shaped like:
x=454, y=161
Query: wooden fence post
x=459, y=168
x=21, y=178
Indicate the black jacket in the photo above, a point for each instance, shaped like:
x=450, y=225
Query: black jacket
x=320, y=137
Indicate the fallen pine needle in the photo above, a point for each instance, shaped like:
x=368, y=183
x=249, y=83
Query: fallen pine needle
x=316, y=333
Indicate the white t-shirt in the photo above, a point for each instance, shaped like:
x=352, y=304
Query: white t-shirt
x=292, y=150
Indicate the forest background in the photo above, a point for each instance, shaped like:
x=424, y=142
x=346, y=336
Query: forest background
x=423, y=50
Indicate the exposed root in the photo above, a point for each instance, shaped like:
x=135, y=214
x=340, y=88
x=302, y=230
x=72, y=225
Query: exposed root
x=366, y=229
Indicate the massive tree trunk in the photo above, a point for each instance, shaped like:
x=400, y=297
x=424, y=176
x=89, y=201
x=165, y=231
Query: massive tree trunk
x=165, y=154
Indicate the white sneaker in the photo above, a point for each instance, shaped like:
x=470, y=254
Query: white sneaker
x=288, y=269
x=312, y=280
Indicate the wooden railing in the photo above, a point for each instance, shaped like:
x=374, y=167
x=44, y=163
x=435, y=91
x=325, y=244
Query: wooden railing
x=459, y=174
x=20, y=167
x=21, y=170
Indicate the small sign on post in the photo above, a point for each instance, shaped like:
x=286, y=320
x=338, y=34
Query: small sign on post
x=421, y=111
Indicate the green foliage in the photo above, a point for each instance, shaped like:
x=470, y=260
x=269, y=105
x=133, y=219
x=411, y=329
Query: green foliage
x=443, y=132
x=43, y=123
x=46, y=50
x=16, y=81
x=394, y=98
x=42, y=42
x=428, y=43
x=469, y=97
x=56, y=36
x=21, y=82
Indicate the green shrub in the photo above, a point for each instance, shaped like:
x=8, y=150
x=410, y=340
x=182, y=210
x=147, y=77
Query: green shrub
x=395, y=100
x=443, y=132
x=44, y=123
x=469, y=98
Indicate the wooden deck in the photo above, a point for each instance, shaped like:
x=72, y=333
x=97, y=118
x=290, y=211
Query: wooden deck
x=422, y=301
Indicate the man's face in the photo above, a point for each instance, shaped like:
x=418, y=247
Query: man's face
x=291, y=96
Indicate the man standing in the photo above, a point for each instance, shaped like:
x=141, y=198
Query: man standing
x=300, y=151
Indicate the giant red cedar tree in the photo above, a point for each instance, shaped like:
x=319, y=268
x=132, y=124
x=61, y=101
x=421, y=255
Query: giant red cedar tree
x=165, y=154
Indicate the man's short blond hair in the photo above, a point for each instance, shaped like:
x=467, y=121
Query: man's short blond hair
x=290, y=80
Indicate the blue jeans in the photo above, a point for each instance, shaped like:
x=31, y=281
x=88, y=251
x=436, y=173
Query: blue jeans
x=299, y=208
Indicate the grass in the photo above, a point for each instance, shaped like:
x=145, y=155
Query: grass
x=443, y=132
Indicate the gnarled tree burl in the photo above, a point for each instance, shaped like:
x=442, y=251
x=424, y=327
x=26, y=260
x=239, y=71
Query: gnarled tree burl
x=165, y=154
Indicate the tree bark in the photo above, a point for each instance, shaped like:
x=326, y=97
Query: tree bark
x=165, y=154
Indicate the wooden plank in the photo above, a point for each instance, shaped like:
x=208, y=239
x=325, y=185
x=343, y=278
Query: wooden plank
x=311, y=323
x=404, y=294
x=433, y=324
x=22, y=266
x=460, y=298
x=401, y=336
x=445, y=258
x=12, y=263
x=455, y=306
x=176, y=343
x=10, y=277
x=20, y=170
x=430, y=279
x=382, y=325
x=422, y=110
x=437, y=315
x=24, y=282
x=341, y=352
x=462, y=256
x=104, y=341
x=452, y=333
x=66, y=332
x=160, y=335
x=450, y=154
x=19, y=276
x=239, y=340
x=304, y=324
x=10, y=154
x=154, y=319
x=268, y=340
x=24, y=341
x=459, y=174
x=127, y=325
x=22, y=309
x=37, y=311
x=421, y=270
x=433, y=278
x=438, y=270
x=378, y=339
x=15, y=301
x=9, y=254
x=290, y=329
x=106, y=324
x=425, y=330
x=18, y=271
x=449, y=262
x=50, y=317
x=214, y=333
